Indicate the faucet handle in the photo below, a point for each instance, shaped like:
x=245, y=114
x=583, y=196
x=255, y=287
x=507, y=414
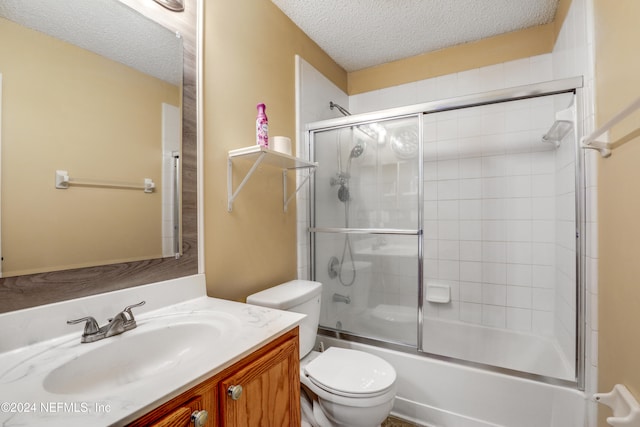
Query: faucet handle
x=90, y=328
x=128, y=310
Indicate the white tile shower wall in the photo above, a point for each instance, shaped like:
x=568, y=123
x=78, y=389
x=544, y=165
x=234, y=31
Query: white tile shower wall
x=313, y=94
x=489, y=214
x=524, y=71
x=489, y=198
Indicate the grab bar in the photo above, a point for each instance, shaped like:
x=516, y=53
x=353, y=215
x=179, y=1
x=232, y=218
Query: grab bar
x=63, y=181
x=365, y=231
x=604, y=147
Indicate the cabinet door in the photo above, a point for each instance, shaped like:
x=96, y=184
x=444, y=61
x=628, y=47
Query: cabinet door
x=270, y=390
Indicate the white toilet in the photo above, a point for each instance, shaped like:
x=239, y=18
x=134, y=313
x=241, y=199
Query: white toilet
x=349, y=387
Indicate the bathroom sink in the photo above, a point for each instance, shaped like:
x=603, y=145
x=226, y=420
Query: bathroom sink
x=156, y=348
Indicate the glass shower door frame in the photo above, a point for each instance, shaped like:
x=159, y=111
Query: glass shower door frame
x=574, y=85
x=418, y=231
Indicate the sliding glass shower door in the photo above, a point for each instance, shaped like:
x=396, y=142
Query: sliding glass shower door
x=366, y=227
x=456, y=230
x=500, y=256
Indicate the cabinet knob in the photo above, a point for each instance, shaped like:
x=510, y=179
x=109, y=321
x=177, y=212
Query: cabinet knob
x=234, y=391
x=199, y=418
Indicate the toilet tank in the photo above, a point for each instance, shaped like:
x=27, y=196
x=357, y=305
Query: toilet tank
x=299, y=296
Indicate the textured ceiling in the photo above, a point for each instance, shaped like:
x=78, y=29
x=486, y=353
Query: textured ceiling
x=106, y=27
x=363, y=33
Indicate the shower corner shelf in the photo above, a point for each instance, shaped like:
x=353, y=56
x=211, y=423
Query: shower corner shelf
x=259, y=155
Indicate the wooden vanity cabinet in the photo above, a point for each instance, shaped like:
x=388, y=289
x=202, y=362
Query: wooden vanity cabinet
x=270, y=389
x=261, y=390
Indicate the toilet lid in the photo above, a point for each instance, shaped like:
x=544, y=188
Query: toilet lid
x=351, y=372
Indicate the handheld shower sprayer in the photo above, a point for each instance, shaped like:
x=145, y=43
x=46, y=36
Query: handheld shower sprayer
x=356, y=151
x=342, y=178
x=347, y=276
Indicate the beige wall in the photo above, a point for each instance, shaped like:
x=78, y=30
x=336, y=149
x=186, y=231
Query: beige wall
x=506, y=47
x=494, y=50
x=617, y=85
x=249, y=58
x=85, y=128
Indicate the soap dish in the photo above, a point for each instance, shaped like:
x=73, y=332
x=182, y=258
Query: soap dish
x=440, y=294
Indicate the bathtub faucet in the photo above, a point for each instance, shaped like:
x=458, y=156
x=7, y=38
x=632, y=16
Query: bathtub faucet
x=341, y=298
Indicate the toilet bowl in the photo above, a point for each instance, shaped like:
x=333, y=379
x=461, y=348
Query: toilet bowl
x=353, y=388
x=348, y=387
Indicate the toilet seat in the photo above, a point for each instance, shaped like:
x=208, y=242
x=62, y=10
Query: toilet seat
x=350, y=373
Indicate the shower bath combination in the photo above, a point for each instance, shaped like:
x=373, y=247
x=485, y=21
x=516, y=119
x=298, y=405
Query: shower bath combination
x=458, y=227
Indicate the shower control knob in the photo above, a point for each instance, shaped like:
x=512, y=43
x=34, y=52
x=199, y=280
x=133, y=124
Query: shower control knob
x=199, y=418
x=234, y=392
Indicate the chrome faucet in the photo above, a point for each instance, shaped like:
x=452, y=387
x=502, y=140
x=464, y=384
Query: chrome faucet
x=341, y=298
x=121, y=322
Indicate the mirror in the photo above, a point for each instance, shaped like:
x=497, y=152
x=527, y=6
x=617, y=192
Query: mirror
x=94, y=89
x=90, y=101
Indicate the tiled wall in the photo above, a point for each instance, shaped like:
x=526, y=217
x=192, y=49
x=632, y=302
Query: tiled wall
x=514, y=73
x=489, y=214
x=490, y=197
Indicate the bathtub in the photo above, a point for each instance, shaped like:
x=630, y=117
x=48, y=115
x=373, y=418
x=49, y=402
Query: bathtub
x=499, y=347
x=437, y=393
x=504, y=348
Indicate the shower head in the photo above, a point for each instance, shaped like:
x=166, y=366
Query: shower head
x=344, y=111
x=356, y=152
x=173, y=5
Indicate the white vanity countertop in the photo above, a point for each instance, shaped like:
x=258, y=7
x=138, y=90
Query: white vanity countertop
x=24, y=400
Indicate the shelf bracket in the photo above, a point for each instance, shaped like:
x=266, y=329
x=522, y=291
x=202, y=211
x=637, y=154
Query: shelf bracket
x=284, y=185
x=231, y=195
x=260, y=155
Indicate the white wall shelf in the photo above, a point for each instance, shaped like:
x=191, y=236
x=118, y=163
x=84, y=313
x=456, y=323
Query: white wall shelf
x=263, y=156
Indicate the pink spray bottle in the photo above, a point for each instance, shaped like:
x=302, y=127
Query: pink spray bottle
x=262, y=127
